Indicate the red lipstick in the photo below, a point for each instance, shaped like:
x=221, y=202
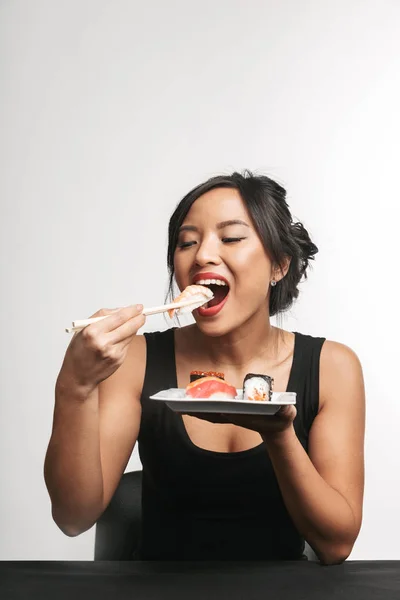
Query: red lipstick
x=214, y=309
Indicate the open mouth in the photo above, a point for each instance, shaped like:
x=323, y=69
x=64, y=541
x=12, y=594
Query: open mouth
x=220, y=293
x=220, y=289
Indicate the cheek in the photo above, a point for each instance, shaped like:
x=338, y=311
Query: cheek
x=180, y=269
x=253, y=270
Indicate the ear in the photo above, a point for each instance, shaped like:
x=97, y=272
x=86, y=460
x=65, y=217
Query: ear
x=279, y=271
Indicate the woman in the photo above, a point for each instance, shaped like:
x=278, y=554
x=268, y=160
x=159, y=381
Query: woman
x=219, y=486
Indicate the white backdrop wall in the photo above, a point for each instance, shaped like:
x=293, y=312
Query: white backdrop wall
x=110, y=112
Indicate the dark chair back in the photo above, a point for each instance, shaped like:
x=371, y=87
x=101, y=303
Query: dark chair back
x=118, y=529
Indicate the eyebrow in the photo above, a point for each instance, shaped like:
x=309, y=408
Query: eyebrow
x=220, y=225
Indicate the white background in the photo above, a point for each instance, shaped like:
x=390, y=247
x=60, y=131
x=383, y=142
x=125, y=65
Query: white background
x=110, y=112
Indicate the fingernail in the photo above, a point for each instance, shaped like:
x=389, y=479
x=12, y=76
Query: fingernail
x=139, y=307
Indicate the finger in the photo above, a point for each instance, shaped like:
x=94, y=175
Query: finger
x=129, y=335
x=116, y=318
x=288, y=412
x=245, y=421
x=210, y=417
x=103, y=312
x=124, y=333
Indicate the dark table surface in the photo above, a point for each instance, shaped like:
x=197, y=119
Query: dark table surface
x=58, y=580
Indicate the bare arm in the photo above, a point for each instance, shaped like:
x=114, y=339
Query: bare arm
x=323, y=492
x=120, y=414
x=94, y=432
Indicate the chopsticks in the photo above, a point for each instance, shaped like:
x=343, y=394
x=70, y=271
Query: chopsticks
x=189, y=304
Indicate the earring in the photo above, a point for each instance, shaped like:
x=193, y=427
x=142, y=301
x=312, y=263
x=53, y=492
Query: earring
x=273, y=282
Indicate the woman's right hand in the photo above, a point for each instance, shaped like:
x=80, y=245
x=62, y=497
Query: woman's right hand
x=99, y=349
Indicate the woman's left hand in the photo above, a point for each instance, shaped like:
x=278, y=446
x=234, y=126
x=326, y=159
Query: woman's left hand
x=265, y=425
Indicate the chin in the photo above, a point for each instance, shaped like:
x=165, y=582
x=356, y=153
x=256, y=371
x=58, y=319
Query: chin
x=212, y=331
x=215, y=327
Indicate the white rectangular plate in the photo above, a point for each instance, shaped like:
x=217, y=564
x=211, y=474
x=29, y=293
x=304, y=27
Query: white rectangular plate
x=175, y=399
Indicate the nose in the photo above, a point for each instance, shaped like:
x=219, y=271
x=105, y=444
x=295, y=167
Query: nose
x=207, y=253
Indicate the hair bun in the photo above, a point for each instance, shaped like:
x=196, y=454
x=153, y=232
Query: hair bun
x=307, y=248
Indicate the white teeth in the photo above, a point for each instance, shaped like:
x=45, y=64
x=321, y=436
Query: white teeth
x=211, y=281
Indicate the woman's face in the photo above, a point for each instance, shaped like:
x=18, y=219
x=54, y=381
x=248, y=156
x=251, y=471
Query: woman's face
x=217, y=241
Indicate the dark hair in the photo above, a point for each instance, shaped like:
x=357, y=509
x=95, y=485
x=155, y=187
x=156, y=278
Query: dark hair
x=266, y=202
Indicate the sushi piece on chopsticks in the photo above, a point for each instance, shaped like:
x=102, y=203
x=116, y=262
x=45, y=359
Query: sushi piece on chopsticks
x=191, y=298
x=210, y=387
x=197, y=295
x=258, y=387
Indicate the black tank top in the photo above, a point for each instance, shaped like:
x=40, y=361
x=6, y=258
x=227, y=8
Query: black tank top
x=199, y=504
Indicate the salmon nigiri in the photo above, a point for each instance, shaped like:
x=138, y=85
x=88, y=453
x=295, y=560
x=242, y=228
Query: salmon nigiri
x=196, y=294
x=210, y=387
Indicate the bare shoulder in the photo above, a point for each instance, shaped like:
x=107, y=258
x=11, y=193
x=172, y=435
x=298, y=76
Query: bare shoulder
x=335, y=355
x=341, y=373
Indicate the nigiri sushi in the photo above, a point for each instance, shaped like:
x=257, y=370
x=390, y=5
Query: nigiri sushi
x=257, y=387
x=210, y=387
x=199, y=294
x=199, y=374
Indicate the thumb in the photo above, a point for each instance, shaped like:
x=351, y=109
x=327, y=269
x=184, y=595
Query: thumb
x=287, y=412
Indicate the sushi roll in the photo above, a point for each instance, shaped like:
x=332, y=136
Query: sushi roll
x=210, y=387
x=258, y=387
x=194, y=375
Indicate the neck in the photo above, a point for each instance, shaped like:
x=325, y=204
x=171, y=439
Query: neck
x=255, y=338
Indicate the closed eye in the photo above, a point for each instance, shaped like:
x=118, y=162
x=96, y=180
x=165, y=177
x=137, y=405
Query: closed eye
x=231, y=240
x=184, y=245
x=225, y=240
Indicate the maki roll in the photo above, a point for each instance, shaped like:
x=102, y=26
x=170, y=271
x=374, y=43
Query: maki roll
x=257, y=387
x=194, y=375
x=210, y=387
